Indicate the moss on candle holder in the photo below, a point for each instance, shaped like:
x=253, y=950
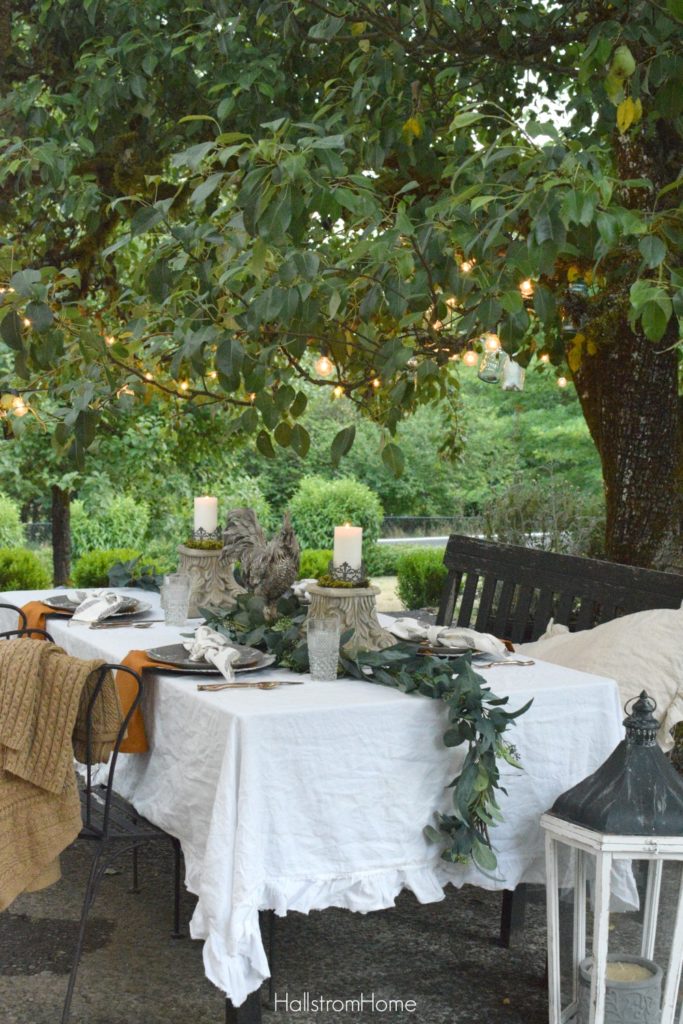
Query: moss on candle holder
x=335, y=584
x=204, y=545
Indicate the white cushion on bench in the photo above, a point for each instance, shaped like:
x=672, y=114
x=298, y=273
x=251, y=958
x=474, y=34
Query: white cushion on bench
x=643, y=651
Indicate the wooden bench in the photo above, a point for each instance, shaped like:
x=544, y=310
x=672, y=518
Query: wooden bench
x=513, y=592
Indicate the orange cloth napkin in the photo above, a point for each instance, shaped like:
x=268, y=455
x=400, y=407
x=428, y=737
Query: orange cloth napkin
x=136, y=737
x=36, y=614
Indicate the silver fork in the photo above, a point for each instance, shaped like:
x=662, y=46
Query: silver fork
x=510, y=661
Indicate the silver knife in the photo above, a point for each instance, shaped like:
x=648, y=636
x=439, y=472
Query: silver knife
x=138, y=623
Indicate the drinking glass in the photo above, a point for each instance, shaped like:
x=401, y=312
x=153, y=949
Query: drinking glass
x=323, y=648
x=175, y=598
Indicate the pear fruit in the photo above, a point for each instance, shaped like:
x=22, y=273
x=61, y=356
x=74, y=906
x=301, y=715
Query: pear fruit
x=623, y=63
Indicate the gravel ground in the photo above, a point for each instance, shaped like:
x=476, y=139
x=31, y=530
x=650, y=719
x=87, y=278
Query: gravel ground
x=442, y=956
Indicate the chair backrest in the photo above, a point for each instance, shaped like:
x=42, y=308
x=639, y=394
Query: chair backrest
x=92, y=791
x=512, y=591
x=19, y=612
x=31, y=631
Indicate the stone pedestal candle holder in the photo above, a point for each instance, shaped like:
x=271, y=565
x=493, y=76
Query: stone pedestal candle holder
x=213, y=584
x=356, y=608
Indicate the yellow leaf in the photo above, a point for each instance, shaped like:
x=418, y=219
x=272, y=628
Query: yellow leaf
x=573, y=273
x=626, y=111
x=574, y=354
x=364, y=45
x=588, y=277
x=638, y=111
x=358, y=28
x=591, y=347
x=412, y=129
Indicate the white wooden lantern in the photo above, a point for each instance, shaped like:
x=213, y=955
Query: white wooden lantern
x=631, y=808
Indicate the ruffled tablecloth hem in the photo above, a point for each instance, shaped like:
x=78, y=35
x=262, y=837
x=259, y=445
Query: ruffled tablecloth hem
x=239, y=965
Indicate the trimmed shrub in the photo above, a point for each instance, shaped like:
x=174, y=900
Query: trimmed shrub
x=119, y=523
x=92, y=569
x=21, y=570
x=314, y=563
x=12, y=533
x=383, y=559
x=319, y=505
x=421, y=577
x=379, y=559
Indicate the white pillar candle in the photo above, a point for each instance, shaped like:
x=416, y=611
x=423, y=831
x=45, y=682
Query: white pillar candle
x=205, y=514
x=348, y=545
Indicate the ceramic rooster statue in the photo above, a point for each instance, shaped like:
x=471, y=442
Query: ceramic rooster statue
x=268, y=567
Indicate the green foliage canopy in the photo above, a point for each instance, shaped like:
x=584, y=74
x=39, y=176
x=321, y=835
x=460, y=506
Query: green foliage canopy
x=368, y=181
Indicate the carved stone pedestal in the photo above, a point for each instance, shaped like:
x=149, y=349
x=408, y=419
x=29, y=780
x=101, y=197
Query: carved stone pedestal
x=357, y=610
x=213, y=584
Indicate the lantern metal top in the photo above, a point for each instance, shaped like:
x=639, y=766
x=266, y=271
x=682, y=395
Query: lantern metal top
x=636, y=791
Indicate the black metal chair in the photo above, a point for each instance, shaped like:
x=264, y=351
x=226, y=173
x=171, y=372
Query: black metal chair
x=112, y=825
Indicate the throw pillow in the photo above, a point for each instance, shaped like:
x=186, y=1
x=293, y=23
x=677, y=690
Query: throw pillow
x=643, y=651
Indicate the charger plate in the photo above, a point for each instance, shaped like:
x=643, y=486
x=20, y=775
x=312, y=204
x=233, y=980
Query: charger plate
x=62, y=603
x=174, y=658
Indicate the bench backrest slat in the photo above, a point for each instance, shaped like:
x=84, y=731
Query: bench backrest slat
x=513, y=591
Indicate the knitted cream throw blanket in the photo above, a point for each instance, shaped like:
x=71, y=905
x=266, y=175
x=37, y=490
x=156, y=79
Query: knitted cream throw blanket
x=43, y=701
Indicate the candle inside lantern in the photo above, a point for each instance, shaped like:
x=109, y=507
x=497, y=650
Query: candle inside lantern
x=205, y=514
x=348, y=546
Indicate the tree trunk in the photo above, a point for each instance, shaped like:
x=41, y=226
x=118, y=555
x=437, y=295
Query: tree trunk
x=61, y=535
x=629, y=395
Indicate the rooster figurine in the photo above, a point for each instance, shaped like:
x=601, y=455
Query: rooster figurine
x=268, y=567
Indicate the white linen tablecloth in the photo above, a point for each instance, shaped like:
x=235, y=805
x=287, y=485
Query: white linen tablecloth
x=306, y=797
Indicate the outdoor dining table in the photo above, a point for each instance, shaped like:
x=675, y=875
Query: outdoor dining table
x=304, y=797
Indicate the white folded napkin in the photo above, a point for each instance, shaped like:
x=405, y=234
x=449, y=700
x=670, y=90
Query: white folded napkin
x=455, y=637
x=100, y=605
x=208, y=645
x=300, y=589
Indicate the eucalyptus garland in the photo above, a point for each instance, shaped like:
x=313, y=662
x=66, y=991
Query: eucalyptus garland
x=476, y=717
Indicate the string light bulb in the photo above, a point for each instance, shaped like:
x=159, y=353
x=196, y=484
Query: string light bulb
x=491, y=342
x=470, y=357
x=26, y=322
x=149, y=376
x=213, y=374
x=109, y=340
x=184, y=385
x=323, y=366
x=562, y=382
x=467, y=266
x=19, y=406
x=338, y=391
x=376, y=383
x=526, y=288
x=544, y=357
x=252, y=397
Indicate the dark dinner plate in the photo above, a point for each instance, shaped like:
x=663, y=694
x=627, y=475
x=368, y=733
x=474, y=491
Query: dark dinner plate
x=62, y=603
x=175, y=658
